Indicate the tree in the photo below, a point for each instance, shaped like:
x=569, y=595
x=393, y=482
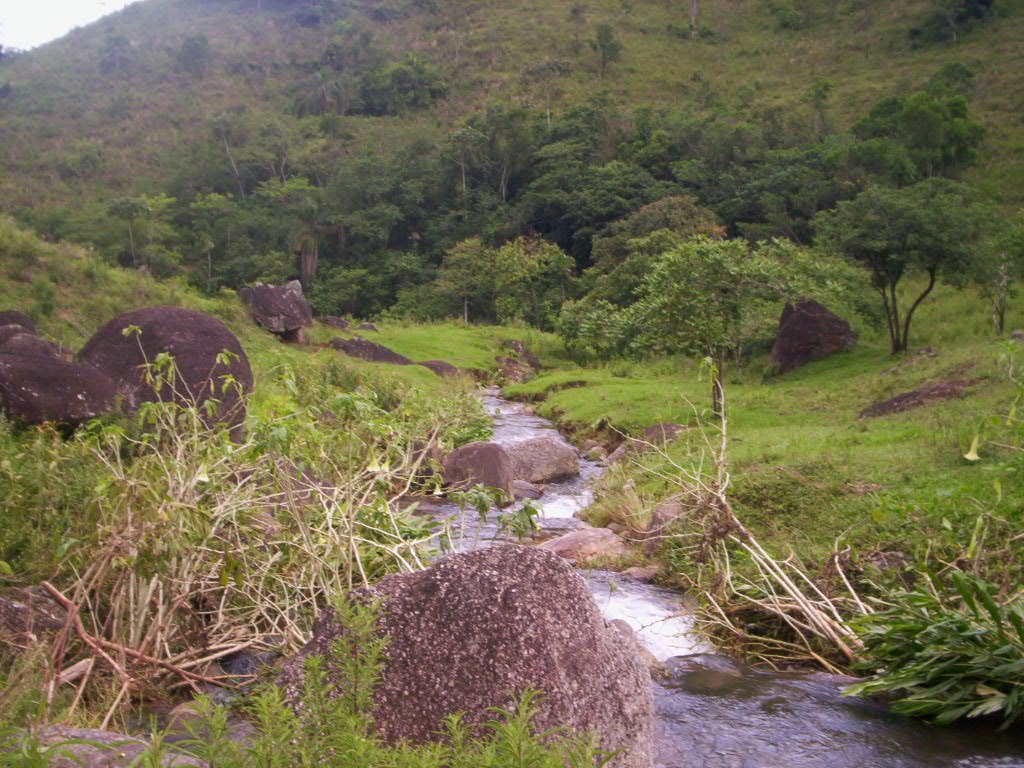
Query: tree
x=607, y=45
x=1002, y=268
x=927, y=228
x=700, y=296
x=578, y=17
x=467, y=275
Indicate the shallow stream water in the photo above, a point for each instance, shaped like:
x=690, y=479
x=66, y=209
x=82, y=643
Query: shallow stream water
x=712, y=713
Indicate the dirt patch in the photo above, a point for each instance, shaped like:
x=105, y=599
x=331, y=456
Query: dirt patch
x=916, y=398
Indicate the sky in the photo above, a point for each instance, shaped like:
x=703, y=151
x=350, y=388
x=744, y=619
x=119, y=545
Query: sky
x=25, y=24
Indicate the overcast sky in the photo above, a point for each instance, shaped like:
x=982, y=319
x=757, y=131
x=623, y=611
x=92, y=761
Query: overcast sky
x=27, y=23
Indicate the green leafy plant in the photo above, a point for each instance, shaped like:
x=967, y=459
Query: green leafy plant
x=947, y=656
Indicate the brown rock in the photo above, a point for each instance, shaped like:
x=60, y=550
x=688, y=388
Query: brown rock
x=479, y=463
x=27, y=614
x=662, y=521
x=513, y=371
x=14, y=317
x=520, y=351
x=478, y=628
x=13, y=329
x=933, y=393
x=543, y=459
x=524, y=490
x=280, y=309
x=440, y=367
x=195, y=341
x=807, y=332
x=34, y=390
x=586, y=544
x=367, y=327
x=642, y=572
x=365, y=349
x=29, y=345
x=102, y=749
x=1017, y=335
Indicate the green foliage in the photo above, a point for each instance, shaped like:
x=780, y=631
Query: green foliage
x=195, y=55
x=947, y=19
x=947, y=656
x=928, y=228
x=607, y=45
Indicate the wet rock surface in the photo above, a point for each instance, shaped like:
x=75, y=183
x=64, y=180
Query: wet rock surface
x=37, y=389
x=543, y=459
x=13, y=329
x=195, y=340
x=280, y=309
x=365, y=349
x=808, y=331
x=478, y=627
x=586, y=544
x=916, y=398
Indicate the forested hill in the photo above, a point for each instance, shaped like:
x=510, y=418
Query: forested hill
x=236, y=140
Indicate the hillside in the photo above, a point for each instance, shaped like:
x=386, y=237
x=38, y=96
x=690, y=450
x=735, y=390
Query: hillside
x=184, y=98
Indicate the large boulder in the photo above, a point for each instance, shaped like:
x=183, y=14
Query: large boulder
x=807, y=332
x=365, y=349
x=585, y=544
x=663, y=523
x=334, y=321
x=193, y=339
x=30, y=345
x=543, y=459
x=37, y=389
x=478, y=628
x=14, y=317
x=479, y=463
x=280, y=309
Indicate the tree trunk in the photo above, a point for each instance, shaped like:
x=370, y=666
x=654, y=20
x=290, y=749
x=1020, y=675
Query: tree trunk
x=465, y=309
x=694, y=18
x=914, y=306
x=131, y=243
x=717, y=387
x=308, y=262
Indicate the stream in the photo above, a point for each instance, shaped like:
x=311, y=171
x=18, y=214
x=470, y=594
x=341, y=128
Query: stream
x=714, y=713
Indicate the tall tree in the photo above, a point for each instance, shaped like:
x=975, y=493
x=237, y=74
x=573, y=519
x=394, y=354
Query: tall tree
x=607, y=45
x=928, y=229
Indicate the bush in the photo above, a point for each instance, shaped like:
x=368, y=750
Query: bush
x=947, y=656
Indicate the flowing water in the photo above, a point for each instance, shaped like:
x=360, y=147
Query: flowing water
x=712, y=713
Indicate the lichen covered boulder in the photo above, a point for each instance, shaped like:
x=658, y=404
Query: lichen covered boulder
x=38, y=389
x=13, y=329
x=280, y=309
x=476, y=629
x=30, y=345
x=124, y=346
x=543, y=459
x=807, y=332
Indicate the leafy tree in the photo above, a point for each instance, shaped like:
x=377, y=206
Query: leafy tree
x=607, y=45
x=927, y=228
x=407, y=84
x=467, y=276
x=947, y=18
x=925, y=134
x=578, y=18
x=297, y=203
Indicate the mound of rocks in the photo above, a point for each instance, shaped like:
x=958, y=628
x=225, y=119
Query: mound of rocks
x=92, y=748
x=29, y=345
x=476, y=629
x=543, y=459
x=656, y=435
x=916, y=398
x=195, y=341
x=440, y=367
x=280, y=309
x=365, y=349
x=807, y=332
x=482, y=463
x=14, y=317
x=36, y=389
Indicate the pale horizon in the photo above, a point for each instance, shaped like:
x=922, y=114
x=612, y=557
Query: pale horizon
x=27, y=24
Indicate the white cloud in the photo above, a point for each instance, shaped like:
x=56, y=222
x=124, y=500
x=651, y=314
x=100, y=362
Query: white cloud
x=27, y=23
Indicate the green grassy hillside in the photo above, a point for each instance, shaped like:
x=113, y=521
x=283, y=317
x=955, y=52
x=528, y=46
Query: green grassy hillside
x=111, y=107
